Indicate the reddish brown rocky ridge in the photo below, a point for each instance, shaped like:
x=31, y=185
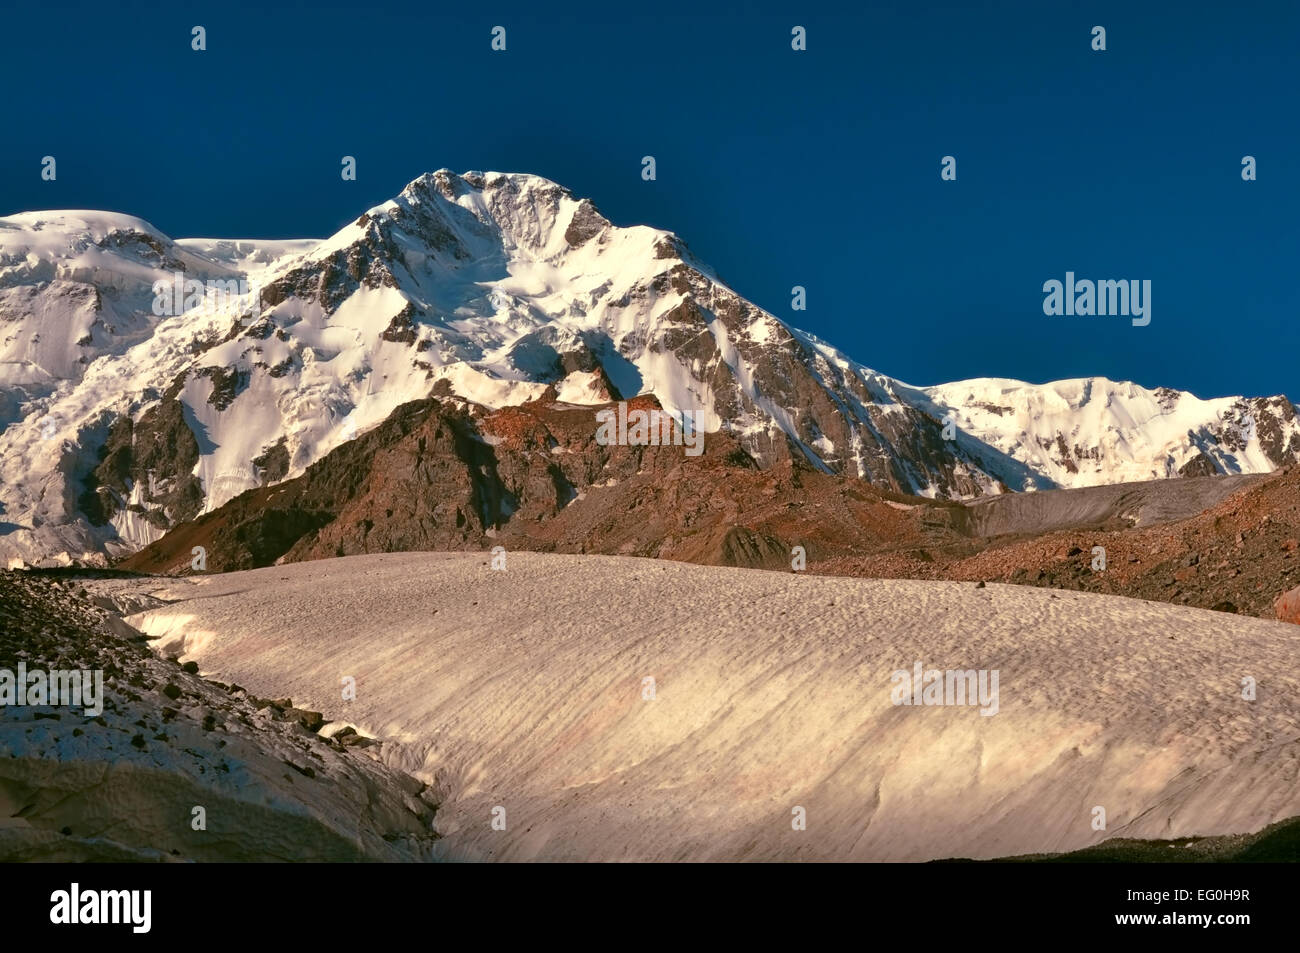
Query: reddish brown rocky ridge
x=445, y=474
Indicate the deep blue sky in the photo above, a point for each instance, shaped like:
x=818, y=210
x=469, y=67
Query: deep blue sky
x=818, y=168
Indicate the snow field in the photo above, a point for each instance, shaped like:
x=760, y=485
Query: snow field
x=525, y=689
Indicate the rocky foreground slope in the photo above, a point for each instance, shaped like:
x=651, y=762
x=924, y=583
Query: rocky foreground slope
x=607, y=708
x=125, y=785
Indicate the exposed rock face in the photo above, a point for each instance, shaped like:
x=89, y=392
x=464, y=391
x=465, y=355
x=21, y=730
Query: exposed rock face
x=227, y=383
x=424, y=479
x=1199, y=465
x=1288, y=606
x=273, y=462
x=841, y=417
x=1274, y=419
x=146, y=467
x=586, y=224
x=441, y=474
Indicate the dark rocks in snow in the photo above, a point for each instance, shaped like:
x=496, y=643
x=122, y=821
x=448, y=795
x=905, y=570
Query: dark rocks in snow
x=311, y=720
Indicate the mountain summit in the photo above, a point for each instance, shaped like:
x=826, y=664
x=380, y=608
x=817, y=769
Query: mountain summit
x=493, y=290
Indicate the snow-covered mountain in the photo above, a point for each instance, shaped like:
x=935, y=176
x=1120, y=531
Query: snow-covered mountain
x=119, y=422
x=1092, y=431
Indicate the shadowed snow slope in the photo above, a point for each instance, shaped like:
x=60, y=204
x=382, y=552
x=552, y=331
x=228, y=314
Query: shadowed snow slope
x=524, y=689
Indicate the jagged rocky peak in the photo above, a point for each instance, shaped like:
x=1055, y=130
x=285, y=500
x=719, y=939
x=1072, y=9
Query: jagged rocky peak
x=444, y=222
x=521, y=212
